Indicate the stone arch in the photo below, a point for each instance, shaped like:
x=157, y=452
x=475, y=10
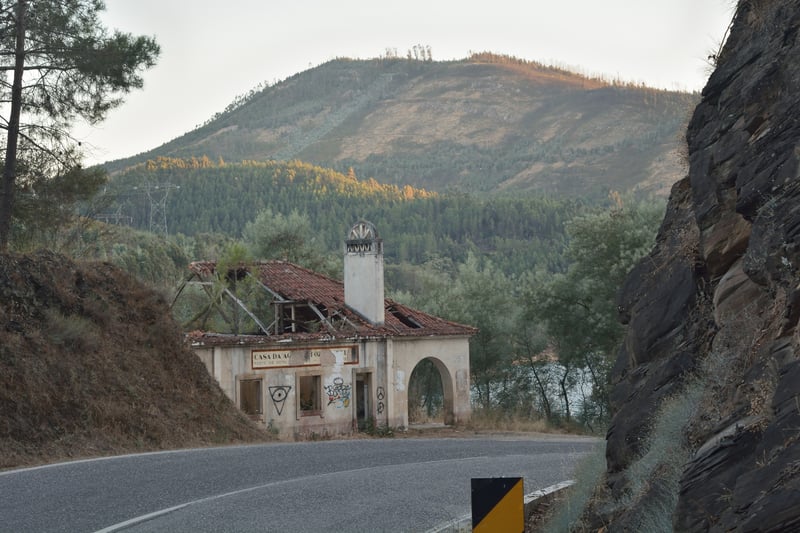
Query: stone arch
x=448, y=388
x=450, y=357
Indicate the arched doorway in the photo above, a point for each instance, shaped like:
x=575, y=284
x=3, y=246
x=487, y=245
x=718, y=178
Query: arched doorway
x=430, y=393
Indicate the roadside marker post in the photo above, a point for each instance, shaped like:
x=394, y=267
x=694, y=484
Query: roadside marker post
x=497, y=505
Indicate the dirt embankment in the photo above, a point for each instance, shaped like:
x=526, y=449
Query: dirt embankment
x=91, y=363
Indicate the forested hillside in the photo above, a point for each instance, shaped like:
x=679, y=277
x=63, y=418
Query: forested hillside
x=206, y=196
x=491, y=181
x=485, y=124
x=485, y=178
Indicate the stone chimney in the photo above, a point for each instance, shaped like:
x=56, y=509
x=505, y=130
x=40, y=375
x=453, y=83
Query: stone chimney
x=363, y=271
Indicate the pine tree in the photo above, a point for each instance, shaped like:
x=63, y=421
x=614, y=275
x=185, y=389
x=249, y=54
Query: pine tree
x=63, y=65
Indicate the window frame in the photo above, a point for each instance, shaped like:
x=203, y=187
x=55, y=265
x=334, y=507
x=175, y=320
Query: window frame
x=259, y=380
x=302, y=382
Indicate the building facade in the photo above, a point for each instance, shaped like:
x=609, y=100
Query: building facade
x=333, y=356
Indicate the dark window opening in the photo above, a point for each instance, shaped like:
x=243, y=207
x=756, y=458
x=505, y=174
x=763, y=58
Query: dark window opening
x=404, y=318
x=309, y=391
x=250, y=396
x=297, y=318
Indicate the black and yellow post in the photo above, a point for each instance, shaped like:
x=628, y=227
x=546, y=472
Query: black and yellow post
x=498, y=505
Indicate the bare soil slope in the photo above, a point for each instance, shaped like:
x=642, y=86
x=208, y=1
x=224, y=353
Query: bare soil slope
x=91, y=364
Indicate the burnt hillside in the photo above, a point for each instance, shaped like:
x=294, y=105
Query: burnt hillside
x=486, y=124
x=91, y=364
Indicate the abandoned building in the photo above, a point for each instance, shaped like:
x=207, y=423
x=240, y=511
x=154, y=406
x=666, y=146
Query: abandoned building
x=331, y=356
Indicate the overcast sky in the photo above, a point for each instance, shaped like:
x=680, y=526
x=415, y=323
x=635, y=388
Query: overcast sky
x=213, y=51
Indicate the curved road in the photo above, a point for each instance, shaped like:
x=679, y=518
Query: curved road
x=347, y=485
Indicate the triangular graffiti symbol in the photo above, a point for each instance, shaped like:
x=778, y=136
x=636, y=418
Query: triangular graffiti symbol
x=278, y=395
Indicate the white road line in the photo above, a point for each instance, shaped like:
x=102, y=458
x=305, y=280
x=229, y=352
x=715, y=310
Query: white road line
x=115, y=457
x=161, y=512
x=150, y=516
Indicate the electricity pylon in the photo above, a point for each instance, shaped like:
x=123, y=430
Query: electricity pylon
x=157, y=194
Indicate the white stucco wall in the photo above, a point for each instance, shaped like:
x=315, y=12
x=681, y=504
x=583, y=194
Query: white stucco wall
x=451, y=357
x=385, y=364
x=280, y=387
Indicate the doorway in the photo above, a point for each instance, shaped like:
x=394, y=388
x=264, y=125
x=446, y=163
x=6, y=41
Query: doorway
x=363, y=400
x=430, y=393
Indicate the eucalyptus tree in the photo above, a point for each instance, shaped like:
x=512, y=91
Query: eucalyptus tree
x=477, y=293
x=60, y=64
x=578, y=307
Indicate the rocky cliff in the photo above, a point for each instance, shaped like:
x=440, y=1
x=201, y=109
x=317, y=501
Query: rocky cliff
x=707, y=384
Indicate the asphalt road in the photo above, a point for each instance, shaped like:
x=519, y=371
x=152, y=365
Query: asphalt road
x=348, y=485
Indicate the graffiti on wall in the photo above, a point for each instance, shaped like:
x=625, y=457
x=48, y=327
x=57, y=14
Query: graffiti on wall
x=338, y=393
x=278, y=395
x=380, y=393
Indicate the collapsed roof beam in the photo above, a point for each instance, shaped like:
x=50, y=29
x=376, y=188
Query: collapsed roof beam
x=180, y=289
x=322, y=317
x=214, y=299
x=246, y=310
x=338, y=312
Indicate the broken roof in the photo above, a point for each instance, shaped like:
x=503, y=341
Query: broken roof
x=291, y=284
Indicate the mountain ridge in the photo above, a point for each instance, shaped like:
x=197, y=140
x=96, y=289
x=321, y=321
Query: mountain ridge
x=485, y=124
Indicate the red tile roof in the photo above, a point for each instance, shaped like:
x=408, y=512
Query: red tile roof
x=295, y=283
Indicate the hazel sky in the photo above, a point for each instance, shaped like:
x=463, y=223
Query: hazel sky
x=213, y=51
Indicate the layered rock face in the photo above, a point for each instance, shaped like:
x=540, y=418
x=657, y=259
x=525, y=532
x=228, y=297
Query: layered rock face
x=714, y=308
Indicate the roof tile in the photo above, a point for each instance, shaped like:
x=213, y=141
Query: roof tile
x=292, y=282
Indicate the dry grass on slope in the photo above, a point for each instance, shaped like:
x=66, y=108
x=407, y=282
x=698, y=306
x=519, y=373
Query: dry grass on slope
x=92, y=364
